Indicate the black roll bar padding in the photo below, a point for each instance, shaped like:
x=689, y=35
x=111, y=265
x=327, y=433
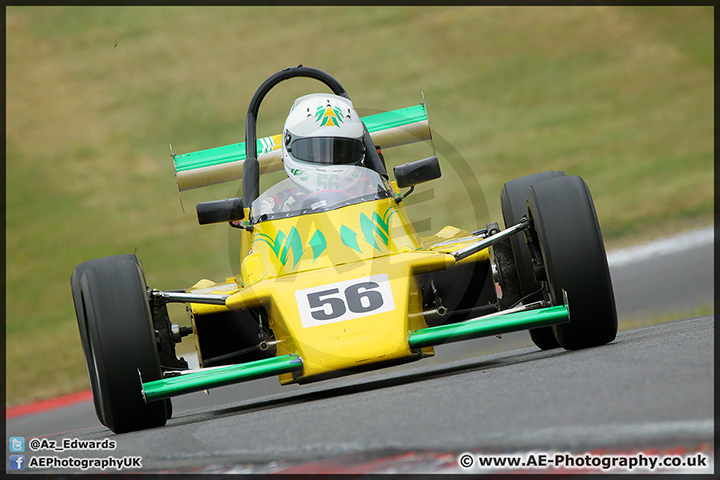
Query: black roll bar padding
x=372, y=158
x=251, y=167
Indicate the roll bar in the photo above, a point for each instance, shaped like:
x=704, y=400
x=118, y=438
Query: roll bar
x=251, y=167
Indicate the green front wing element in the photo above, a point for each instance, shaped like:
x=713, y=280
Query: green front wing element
x=223, y=164
x=219, y=376
x=485, y=327
x=230, y=374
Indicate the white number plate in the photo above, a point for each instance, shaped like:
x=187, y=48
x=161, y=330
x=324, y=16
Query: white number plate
x=337, y=302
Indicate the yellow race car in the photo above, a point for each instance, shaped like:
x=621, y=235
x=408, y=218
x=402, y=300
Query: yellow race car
x=333, y=278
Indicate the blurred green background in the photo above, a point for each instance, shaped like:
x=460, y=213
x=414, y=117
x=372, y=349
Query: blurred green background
x=622, y=96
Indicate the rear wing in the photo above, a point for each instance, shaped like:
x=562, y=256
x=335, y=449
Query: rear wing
x=224, y=164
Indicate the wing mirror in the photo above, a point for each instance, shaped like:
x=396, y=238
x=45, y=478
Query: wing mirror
x=415, y=173
x=220, y=211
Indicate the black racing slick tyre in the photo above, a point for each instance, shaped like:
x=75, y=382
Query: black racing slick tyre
x=573, y=253
x=513, y=203
x=118, y=340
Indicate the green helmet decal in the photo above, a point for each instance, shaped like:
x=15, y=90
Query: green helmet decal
x=328, y=115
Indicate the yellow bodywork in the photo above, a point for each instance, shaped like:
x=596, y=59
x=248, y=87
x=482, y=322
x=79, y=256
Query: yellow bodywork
x=339, y=287
x=351, y=234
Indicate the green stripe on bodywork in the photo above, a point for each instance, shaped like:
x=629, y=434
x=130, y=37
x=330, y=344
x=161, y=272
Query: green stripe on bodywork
x=236, y=151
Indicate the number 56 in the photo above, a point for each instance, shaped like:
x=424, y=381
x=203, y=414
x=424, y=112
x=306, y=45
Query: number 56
x=358, y=298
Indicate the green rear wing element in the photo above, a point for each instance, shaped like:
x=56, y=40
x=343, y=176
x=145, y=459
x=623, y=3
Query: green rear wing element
x=224, y=164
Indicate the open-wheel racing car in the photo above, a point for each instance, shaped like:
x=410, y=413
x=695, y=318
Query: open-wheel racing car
x=333, y=277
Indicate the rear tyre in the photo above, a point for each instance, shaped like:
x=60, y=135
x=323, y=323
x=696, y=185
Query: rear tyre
x=573, y=253
x=118, y=340
x=513, y=203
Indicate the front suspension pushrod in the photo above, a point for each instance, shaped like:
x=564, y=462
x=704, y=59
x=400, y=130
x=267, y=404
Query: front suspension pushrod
x=182, y=297
x=486, y=242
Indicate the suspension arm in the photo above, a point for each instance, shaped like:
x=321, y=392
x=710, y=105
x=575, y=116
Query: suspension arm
x=487, y=241
x=183, y=297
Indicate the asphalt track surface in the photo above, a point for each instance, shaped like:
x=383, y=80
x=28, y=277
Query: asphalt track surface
x=652, y=388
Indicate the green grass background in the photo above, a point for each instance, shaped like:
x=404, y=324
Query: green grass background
x=622, y=96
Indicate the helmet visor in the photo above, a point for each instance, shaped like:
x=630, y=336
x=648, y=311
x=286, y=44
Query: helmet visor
x=327, y=150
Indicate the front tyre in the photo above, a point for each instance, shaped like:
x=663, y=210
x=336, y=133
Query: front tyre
x=118, y=339
x=573, y=253
x=513, y=203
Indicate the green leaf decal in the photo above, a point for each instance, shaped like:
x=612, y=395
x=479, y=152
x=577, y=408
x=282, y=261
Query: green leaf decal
x=328, y=115
x=282, y=244
x=275, y=243
x=386, y=216
x=349, y=238
x=377, y=226
x=368, y=229
x=294, y=242
x=318, y=244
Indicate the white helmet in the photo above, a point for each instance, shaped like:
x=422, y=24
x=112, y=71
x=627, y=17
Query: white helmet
x=321, y=131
